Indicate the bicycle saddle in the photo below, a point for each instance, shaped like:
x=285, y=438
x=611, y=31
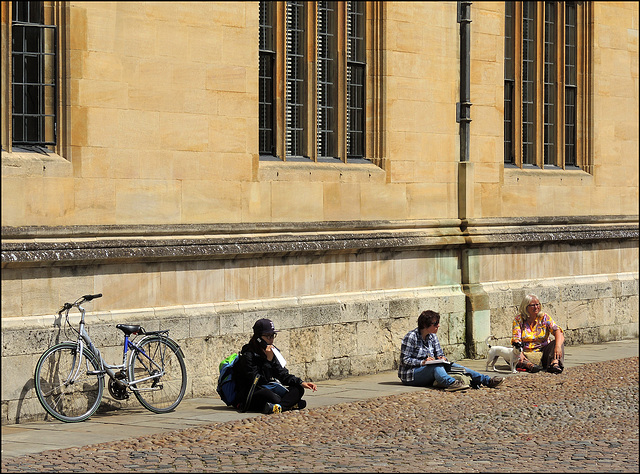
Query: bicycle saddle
x=129, y=329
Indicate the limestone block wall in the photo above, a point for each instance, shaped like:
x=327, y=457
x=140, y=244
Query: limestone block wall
x=158, y=131
x=587, y=283
x=608, y=185
x=589, y=309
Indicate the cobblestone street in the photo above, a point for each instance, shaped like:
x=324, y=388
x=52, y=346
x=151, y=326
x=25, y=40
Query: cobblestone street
x=585, y=419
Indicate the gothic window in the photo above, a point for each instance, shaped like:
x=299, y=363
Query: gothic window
x=546, y=98
x=319, y=55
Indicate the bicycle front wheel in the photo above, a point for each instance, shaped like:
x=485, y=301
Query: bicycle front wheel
x=157, y=374
x=69, y=386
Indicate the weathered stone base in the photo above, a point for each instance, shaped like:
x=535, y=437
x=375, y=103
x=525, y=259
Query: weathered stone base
x=328, y=336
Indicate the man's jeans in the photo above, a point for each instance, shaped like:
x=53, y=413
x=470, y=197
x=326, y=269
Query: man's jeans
x=424, y=376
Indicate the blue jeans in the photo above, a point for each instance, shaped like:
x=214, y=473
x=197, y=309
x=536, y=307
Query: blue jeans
x=424, y=376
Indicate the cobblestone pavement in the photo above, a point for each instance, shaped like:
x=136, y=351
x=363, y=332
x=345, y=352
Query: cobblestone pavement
x=585, y=419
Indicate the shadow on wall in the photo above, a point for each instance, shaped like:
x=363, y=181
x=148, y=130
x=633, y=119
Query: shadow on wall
x=23, y=393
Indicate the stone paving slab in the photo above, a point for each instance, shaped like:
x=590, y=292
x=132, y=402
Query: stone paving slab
x=35, y=437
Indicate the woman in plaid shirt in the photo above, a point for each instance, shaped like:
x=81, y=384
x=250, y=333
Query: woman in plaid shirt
x=421, y=346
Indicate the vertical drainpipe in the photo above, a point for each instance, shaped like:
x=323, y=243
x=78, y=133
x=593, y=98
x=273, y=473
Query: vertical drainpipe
x=463, y=108
x=463, y=117
x=474, y=303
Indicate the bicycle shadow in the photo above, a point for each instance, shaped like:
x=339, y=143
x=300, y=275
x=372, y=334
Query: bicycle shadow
x=214, y=407
x=31, y=410
x=26, y=388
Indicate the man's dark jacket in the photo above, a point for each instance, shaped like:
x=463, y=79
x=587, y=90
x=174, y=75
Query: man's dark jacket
x=253, y=362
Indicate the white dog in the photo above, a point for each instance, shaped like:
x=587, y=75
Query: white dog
x=510, y=354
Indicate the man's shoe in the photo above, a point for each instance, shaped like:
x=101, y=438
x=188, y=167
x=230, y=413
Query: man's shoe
x=270, y=408
x=455, y=386
x=495, y=381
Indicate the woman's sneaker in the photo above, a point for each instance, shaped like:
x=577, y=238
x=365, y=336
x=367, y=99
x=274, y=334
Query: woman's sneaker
x=300, y=405
x=270, y=408
x=455, y=386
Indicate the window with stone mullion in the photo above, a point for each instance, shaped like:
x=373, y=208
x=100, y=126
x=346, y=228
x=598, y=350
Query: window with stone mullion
x=528, y=82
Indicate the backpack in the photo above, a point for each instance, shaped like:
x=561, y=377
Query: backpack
x=226, y=385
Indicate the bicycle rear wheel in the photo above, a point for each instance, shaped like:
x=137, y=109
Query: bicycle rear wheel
x=68, y=386
x=159, y=360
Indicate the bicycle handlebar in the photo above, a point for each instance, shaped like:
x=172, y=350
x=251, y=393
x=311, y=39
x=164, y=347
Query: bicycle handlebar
x=79, y=301
x=90, y=297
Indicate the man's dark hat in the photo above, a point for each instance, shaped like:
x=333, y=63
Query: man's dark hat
x=264, y=326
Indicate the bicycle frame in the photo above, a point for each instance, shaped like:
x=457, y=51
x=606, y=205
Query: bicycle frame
x=84, y=339
x=128, y=344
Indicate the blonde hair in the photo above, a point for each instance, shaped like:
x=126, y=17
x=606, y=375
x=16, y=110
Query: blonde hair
x=525, y=302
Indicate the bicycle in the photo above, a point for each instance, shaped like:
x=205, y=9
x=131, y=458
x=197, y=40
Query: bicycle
x=69, y=376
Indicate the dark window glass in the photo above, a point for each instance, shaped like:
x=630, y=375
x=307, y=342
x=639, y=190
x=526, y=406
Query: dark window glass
x=570, y=85
x=509, y=78
x=266, y=128
x=295, y=110
x=327, y=73
x=33, y=76
x=356, y=61
x=550, y=83
x=528, y=82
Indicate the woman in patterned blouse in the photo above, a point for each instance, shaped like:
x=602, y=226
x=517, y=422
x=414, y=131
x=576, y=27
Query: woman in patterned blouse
x=533, y=328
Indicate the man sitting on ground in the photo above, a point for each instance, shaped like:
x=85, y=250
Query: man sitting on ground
x=420, y=346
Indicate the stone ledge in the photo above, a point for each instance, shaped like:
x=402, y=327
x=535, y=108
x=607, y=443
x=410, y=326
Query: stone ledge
x=65, y=251
x=528, y=234
x=33, y=247
x=261, y=228
x=194, y=230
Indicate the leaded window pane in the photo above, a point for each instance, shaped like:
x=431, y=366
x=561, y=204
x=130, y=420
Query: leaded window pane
x=266, y=127
x=550, y=83
x=528, y=82
x=295, y=109
x=33, y=76
x=326, y=79
x=356, y=61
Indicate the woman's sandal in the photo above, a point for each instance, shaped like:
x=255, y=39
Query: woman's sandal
x=555, y=368
x=528, y=366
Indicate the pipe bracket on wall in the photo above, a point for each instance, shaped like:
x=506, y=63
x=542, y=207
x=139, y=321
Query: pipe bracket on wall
x=464, y=10
x=463, y=112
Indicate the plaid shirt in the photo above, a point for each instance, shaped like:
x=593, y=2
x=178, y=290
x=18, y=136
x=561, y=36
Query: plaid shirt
x=414, y=350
